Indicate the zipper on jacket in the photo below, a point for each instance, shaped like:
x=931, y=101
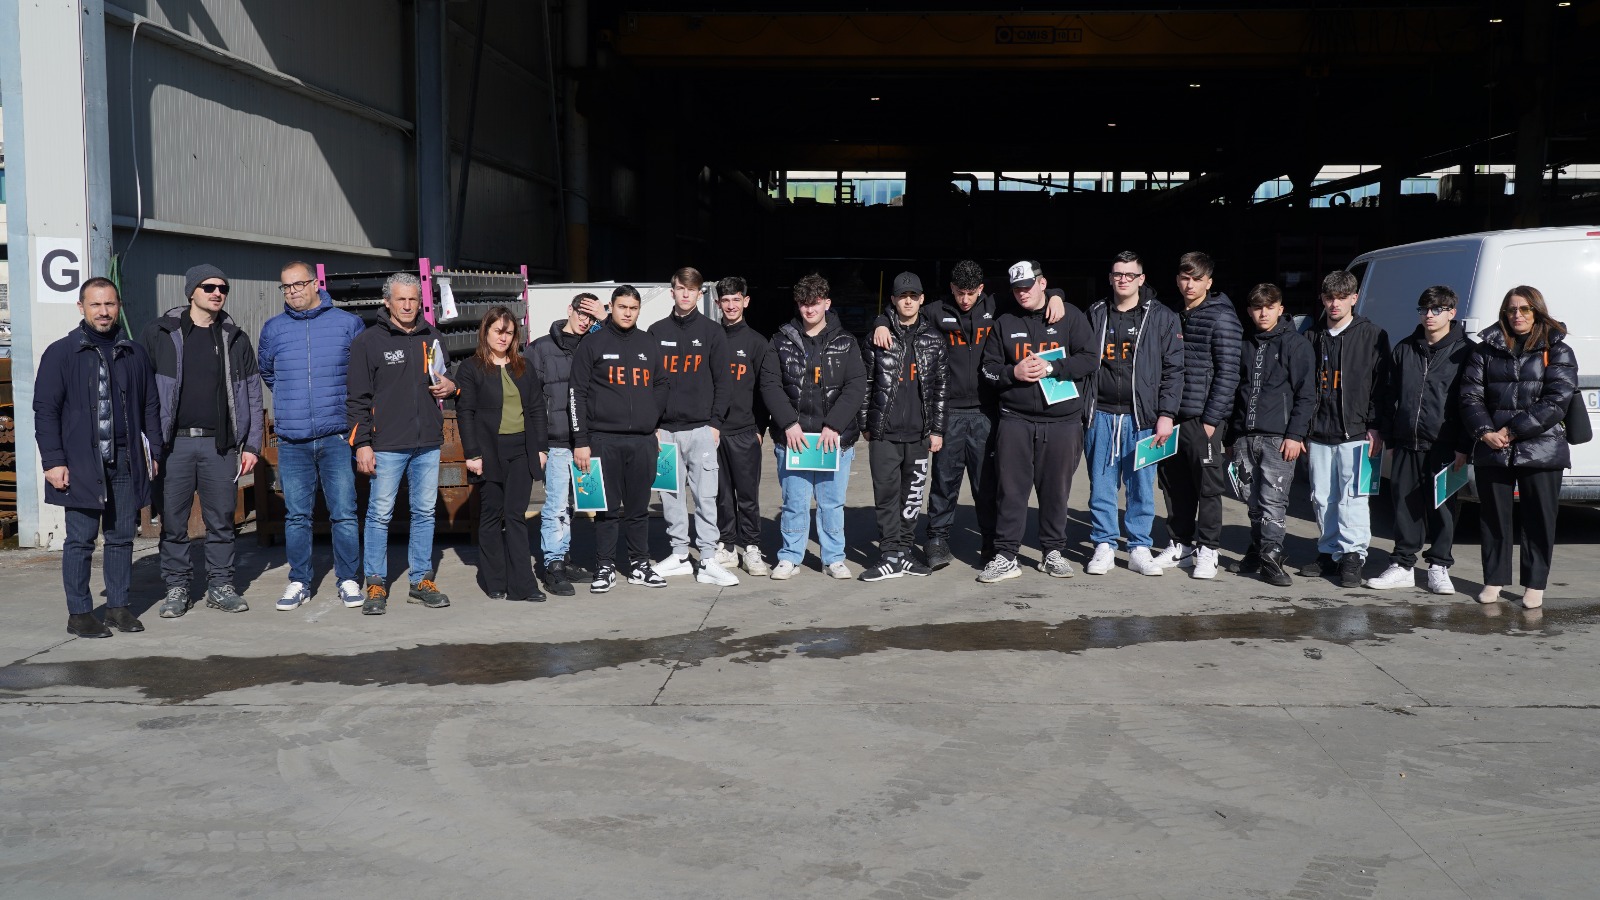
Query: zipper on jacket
x=1416, y=429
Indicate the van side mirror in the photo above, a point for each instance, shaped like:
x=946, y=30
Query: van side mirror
x=1301, y=323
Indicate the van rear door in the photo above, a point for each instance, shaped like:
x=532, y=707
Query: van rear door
x=1394, y=279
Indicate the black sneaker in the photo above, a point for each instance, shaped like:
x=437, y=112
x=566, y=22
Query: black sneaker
x=938, y=552
x=888, y=567
x=427, y=593
x=604, y=578
x=910, y=566
x=557, y=579
x=377, y=599
x=225, y=598
x=644, y=575
x=1249, y=564
x=1321, y=567
x=576, y=573
x=1350, y=570
x=1272, y=570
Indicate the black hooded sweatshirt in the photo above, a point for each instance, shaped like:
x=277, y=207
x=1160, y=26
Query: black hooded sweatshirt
x=1018, y=335
x=1277, y=384
x=620, y=383
x=388, y=405
x=696, y=353
x=747, y=350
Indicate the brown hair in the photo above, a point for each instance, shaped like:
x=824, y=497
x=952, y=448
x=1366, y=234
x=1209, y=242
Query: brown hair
x=810, y=289
x=1543, y=325
x=1264, y=295
x=484, y=357
x=689, y=277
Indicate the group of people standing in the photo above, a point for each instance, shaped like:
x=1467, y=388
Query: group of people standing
x=1005, y=392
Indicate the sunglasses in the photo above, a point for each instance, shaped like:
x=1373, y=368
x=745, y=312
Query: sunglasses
x=1433, y=310
x=1514, y=311
x=214, y=289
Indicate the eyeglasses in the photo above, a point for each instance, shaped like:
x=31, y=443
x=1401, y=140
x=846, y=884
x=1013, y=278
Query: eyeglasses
x=1515, y=311
x=293, y=286
x=1126, y=276
x=1433, y=310
x=215, y=289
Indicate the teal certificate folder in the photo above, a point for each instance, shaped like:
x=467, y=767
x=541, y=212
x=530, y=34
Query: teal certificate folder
x=1448, y=482
x=1056, y=389
x=1369, y=474
x=666, y=469
x=812, y=458
x=1146, y=452
x=589, y=491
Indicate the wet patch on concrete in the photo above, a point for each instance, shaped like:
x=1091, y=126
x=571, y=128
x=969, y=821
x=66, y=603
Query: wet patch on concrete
x=177, y=680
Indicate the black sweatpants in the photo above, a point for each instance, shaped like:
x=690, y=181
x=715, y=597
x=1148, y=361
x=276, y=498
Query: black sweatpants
x=629, y=465
x=1037, y=456
x=1540, y=488
x=505, y=558
x=1194, y=480
x=899, y=485
x=739, y=489
x=1411, y=474
x=968, y=450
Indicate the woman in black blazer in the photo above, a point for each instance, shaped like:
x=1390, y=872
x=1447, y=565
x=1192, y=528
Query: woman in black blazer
x=501, y=412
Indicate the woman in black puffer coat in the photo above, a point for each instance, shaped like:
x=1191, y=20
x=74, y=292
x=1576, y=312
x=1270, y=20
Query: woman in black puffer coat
x=1514, y=395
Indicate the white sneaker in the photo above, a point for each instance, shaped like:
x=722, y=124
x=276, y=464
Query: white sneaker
x=1055, y=565
x=350, y=593
x=839, y=570
x=713, y=573
x=999, y=569
x=1105, y=556
x=1396, y=576
x=674, y=565
x=1141, y=562
x=1204, y=562
x=783, y=571
x=1439, y=580
x=293, y=595
x=1168, y=557
x=727, y=556
x=753, y=563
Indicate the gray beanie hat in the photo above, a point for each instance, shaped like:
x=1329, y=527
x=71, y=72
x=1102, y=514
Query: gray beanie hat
x=193, y=277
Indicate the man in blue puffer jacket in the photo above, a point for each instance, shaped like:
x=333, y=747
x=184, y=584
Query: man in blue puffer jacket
x=305, y=352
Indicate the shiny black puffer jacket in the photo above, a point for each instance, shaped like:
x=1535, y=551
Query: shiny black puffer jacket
x=885, y=369
x=815, y=381
x=1526, y=393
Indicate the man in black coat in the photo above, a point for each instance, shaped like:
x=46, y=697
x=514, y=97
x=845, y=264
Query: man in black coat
x=97, y=421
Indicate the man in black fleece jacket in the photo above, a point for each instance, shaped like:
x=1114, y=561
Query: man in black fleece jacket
x=1038, y=444
x=1196, y=476
x=620, y=387
x=739, y=452
x=396, y=428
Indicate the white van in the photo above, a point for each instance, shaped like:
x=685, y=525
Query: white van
x=1563, y=263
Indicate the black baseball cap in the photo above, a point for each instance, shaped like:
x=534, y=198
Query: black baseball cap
x=906, y=283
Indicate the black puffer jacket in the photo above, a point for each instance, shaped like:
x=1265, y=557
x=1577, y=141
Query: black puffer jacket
x=1211, y=340
x=1526, y=393
x=551, y=358
x=815, y=381
x=886, y=370
x=1425, y=391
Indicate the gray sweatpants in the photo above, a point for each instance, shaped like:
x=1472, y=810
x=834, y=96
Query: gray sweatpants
x=1258, y=459
x=697, y=475
x=194, y=464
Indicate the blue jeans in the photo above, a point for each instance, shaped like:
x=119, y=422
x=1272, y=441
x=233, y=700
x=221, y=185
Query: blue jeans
x=1108, y=448
x=302, y=467
x=1341, y=515
x=555, y=517
x=420, y=468
x=794, y=519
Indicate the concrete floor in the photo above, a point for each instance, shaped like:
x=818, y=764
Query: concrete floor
x=920, y=738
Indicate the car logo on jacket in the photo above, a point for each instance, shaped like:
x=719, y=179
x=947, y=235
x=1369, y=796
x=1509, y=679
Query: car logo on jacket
x=394, y=357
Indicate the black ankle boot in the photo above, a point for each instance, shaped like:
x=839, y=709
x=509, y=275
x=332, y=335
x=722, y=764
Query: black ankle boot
x=1272, y=570
x=87, y=626
x=122, y=619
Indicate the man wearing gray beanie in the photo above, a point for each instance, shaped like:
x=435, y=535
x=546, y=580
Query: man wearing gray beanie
x=210, y=393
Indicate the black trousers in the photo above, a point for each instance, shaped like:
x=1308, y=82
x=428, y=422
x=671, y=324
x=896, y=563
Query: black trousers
x=739, y=488
x=1540, y=489
x=1194, y=480
x=1037, y=456
x=505, y=559
x=968, y=450
x=120, y=520
x=899, y=485
x=194, y=464
x=1411, y=475
x=629, y=465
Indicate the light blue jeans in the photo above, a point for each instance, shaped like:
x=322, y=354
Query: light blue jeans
x=303, y=466
x=794, y=519
x=1108, y=448
x=555, y=517
x=420, y=468
x=1341, y=515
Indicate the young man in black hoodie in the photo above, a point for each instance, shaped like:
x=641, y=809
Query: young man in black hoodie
x=1277, y=396
x=619, y=392
x=1423, y=429
x=1195, y=478
x=396, y=428
x=551, y=358
x=696, y=352
x=905, y=423
x=739, y=451
x=1038, y=444
x=1352, y=375
x=813, y=382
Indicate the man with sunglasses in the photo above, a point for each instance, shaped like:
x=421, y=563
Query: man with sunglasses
x=210, y=394
x=1422, y=426
x=305, y=357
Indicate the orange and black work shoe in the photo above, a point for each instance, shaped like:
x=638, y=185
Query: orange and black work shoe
x=427, y=593
x=377, y=602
